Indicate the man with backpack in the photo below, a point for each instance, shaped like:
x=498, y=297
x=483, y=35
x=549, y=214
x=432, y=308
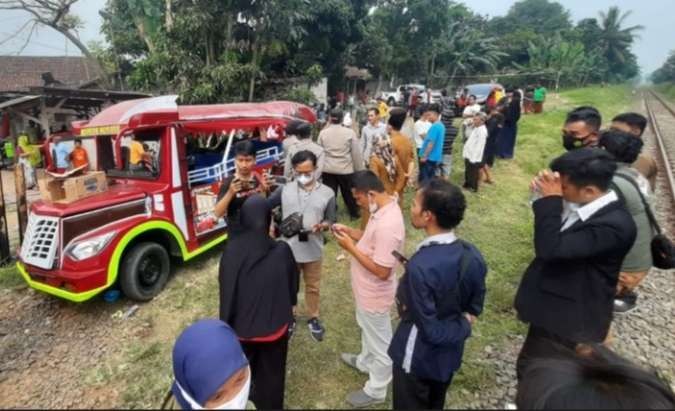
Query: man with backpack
x=438, y=299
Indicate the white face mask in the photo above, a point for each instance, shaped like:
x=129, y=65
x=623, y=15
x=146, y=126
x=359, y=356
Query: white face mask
x=237, y=403
x=305, y=179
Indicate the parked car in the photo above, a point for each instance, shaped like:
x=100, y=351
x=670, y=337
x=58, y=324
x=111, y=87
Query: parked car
x=125, y=235
x=393, y=98
x=481, y=91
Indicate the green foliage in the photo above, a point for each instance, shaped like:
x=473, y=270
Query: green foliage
x=229, y=50
x=615, y=42
x=568, y=62
x=542, y=17
x=665, y=73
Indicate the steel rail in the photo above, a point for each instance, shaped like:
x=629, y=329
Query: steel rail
x=660, y=140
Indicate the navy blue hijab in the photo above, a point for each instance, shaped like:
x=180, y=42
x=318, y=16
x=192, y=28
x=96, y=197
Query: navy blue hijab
x=205, y=356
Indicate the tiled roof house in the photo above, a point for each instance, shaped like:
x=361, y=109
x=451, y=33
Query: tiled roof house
x=19, y=73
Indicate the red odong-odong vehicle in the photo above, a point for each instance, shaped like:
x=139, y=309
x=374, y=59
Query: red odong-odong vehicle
x=126, y=234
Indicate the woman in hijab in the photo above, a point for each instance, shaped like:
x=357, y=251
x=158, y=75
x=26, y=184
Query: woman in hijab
x=386, y=165
x=258, y=288
x=507, y=137
x=494, y=124
x=210, y=369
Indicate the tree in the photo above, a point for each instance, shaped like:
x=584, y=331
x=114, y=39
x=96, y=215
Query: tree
x=466, y=50
x=566, y=61
x=665, y=73
x=539, y=16
x=615, y=43
x=50, y=13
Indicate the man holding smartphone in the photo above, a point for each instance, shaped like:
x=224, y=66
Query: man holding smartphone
x=373, y=283
x=315, y=203
x=237, y=188
x=438, y=299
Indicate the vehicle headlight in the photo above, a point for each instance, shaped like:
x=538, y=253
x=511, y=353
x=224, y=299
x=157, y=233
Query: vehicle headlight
x=90, y=247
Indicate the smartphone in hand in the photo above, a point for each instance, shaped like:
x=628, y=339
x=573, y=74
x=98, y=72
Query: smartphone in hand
x=400, y=257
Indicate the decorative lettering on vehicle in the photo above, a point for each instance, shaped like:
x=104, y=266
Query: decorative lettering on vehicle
x=100, y=131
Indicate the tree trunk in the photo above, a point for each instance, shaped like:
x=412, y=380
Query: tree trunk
x=379, y=85
x=168, y=15
x=557, y=81
x=209, y=48
x=144, y=36
x=254, y=62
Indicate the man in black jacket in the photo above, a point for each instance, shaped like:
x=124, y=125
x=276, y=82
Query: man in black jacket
x=439, y=297
x=581, y=235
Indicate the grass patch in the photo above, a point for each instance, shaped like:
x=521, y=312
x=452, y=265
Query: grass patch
x=10, y=277
x=667, y=90
x=498, y=220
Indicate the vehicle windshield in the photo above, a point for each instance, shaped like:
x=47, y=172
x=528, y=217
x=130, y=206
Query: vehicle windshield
x=140, y=155
x=479, y=90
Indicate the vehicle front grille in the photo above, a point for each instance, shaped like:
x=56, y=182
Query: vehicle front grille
x=41, y=241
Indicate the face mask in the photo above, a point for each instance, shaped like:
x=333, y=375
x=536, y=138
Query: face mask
x=572, y=143
x=305, y=179
x=237, y=403
x=240, y=400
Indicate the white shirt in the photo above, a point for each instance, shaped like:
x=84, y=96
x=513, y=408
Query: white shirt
x=475, y=145
x=443, y=238
x=421, y=129
x=369, y=133
x=470, y=111
x=573, y=212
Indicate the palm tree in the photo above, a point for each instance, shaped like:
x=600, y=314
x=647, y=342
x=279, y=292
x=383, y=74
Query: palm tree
x=465, y=49
x=615, y=41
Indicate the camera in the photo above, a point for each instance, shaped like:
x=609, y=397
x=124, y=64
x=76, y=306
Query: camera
x=291, y=225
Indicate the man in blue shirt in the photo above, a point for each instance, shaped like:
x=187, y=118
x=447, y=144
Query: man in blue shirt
x=431, y=152
x=62, y=153
x=438, y=299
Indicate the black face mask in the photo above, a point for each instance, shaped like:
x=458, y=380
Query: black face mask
x=570, y=142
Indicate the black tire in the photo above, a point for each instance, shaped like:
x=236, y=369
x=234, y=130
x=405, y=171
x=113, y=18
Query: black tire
x=391, y=102
x=144, y=271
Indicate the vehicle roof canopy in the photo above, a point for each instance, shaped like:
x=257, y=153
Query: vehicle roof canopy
x=163, y=110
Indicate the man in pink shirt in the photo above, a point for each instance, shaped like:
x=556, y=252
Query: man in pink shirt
x=373, y=283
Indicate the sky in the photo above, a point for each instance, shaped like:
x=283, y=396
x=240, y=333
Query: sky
x=652, y=49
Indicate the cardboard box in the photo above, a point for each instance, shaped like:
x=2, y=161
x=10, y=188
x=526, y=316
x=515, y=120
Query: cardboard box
x=73, y=188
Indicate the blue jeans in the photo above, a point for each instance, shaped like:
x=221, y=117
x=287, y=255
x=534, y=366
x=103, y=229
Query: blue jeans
x=427, y=170
x=445, y=168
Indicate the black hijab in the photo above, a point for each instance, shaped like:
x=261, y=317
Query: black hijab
x=258, y=276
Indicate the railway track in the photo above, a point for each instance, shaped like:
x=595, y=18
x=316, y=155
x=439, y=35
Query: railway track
x=659, y=113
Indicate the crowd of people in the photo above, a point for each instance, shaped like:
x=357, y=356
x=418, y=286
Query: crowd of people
x=592, y=235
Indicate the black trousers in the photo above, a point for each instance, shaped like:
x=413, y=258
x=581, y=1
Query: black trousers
x=344, y=181
x=540, y=343
x=471, y=174
x=268, y=372
x=412, y=393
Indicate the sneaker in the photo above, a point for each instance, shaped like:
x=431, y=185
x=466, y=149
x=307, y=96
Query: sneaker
x=291, y=327
x=316, y=330
x=623, y=305
x=359, y=399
